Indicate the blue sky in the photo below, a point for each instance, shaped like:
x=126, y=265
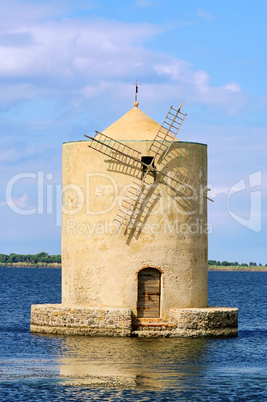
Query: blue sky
x=67, y=68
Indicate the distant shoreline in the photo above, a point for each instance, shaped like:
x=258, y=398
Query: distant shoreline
x=210, y=267
x=27, y=265
x=237, y=268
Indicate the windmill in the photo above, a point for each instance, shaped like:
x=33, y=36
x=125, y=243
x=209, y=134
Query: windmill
x=141, y=195
x=154, y=287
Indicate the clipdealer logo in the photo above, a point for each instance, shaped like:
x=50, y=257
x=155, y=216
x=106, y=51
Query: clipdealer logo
x=98, y=196
x=253, y=222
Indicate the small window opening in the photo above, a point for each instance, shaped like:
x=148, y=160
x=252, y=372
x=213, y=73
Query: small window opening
x=146, y=160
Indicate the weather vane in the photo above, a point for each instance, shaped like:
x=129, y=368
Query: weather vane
x=136, y=90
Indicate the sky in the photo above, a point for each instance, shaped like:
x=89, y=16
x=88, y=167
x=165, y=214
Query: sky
x=67, y=69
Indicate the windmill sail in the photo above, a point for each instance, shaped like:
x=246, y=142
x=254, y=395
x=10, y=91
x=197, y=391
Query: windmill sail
x=167, y=132
x=183, y=185
x=132, y=201
x=136, y=202
x=139, y=199
x=115, y=149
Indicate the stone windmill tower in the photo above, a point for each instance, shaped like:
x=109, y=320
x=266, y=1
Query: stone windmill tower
x=134, y=235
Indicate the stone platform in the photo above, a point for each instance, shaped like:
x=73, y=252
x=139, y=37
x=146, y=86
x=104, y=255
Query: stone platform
x=91, y=321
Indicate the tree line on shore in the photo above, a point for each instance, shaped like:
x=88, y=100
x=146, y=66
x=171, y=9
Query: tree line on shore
x=233, y=264
x=30, y=258
x=45, y=258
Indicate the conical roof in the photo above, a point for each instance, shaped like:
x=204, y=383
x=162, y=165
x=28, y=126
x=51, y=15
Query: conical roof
x=133, y=125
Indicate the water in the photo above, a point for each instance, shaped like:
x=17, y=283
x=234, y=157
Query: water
x=56, y=368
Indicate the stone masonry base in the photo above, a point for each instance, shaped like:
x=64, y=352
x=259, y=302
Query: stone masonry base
x=61, y=319
x=90, y=321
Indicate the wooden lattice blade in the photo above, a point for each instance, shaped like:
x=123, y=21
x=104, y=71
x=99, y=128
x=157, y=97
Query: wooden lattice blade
x=115, y=150
x=132, y=201
x=167, y=133
x=183, y=185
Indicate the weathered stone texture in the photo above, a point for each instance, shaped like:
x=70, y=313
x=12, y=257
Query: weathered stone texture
x=196, y=322
x=210, y=321
x=59, y=319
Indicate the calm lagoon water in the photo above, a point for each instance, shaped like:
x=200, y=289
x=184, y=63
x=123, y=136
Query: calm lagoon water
x=70, y=368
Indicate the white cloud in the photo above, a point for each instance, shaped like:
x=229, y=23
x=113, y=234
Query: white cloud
x=21, y=202
x=17, y=39
x=13, y=150
x=73, y=53
x=15, y=13
x=205, y=15
x=216, y=191
x=194, y=86
x=233, y=87
x=13, y=154
x=82, y=59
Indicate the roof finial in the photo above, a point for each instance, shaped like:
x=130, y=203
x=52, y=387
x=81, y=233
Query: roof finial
x=136, y=92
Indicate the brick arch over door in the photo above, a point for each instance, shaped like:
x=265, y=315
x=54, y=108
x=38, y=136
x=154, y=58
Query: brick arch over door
x=148, y=302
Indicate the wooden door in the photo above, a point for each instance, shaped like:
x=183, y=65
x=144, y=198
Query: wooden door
x=148, y=304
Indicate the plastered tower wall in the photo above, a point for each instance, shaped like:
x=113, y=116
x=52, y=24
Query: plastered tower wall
x=99, y=265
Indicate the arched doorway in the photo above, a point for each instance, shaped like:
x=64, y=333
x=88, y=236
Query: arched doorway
x=148, y=302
